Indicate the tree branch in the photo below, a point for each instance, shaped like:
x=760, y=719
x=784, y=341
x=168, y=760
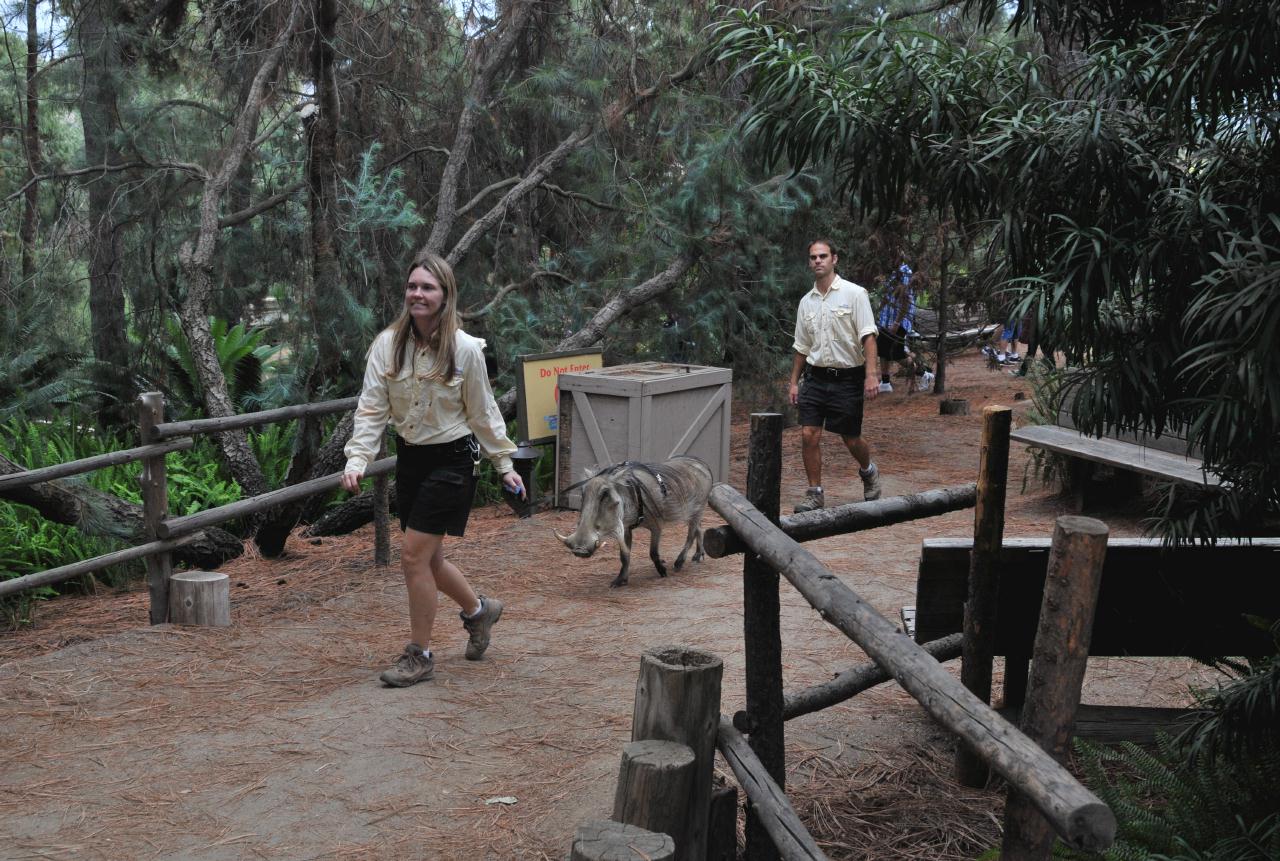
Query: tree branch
x=513, y=25
x=577, y=195
x=486, y=191
x=621, y=304
x=261, y=206
x=514, y=285
x=410, y=154
x=183, y=166
x=577, y=138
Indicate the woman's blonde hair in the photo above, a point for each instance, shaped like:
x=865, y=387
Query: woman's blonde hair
x=443, y=364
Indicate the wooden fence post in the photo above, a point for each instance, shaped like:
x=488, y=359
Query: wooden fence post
x=606, y=840
x=984, y=576
x=155, y=505
x=678, y=699
x=762, y=626
x=655, y=783
x=381, y=514
x=1057, y=668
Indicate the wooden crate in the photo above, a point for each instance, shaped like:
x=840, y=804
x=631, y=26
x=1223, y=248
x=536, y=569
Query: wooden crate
x=649, y=411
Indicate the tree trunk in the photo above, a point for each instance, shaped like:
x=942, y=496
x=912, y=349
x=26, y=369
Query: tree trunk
x=96, y=513
x=196, y=259
x=940, y=360
x=31, y=198
x=98, y=113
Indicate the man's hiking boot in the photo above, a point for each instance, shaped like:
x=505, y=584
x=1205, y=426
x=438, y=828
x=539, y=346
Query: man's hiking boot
x=479, y=626
x=410, y=668
x=812, y=501
x=870, y=483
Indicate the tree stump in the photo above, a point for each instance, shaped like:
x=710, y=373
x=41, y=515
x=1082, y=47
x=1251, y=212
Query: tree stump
x=604, y=840
x=678, y=699
x=654, y=786
x=953, y=407
x=200, y=598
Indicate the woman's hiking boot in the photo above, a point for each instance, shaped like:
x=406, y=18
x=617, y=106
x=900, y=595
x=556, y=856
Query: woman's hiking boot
x=479, y=626
x=813, y=500
x=410, y=668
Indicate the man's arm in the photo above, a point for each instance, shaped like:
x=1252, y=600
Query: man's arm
x=797, y=367
x=871, y=387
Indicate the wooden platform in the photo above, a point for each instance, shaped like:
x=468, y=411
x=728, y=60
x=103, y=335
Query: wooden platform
x=1154, y=600
x=1117, y=453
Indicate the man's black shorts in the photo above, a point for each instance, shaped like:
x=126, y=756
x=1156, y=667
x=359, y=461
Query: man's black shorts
x=892, y=346
x=831, y=402
x=434, y=486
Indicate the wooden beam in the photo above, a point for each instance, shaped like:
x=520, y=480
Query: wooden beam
x=1077, y=814
x=88, y=566
x=1057, y=668
x=175, y=526
x=853, y=517
x=779, y=818
x=984, y=576
x=857, y=679
x=247, y=420
x=14, y=480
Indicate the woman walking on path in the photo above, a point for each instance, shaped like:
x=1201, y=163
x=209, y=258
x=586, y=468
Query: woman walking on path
x=427, y=378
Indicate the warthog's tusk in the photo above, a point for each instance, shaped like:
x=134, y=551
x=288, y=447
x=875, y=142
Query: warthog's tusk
x=564, y=538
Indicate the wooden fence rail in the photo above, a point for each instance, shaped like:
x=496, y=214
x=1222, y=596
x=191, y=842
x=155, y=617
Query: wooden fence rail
x=88, y=566
x=853, y=517
x=248, y=420
x=1078, y=816
x=174, y=526
x=29, y=477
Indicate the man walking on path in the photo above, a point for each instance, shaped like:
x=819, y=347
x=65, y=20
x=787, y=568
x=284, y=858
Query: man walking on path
x=835, y=343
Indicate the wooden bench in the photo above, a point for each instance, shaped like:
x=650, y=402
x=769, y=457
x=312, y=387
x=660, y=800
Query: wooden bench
x=1168, y=457
x=1154, y=601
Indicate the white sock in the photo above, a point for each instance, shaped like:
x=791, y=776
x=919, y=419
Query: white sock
x=868, y=471
x=479, y=609
x=426, y=653
x=818, y=489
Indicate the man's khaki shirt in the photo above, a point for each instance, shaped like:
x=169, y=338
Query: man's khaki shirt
x=830, y=328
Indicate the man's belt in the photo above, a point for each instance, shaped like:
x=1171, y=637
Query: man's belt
x=832, y=373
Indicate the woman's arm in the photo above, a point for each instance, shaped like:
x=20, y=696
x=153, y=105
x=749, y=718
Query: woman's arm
x=372, y=413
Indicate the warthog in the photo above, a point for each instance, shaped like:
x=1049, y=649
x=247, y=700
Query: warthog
x=622, y=497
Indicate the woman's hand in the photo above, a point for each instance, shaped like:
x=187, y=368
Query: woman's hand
x=351, y=481
x=513, y=483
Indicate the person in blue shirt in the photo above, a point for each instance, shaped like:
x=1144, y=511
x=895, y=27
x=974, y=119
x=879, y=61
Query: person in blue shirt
x=897, y=311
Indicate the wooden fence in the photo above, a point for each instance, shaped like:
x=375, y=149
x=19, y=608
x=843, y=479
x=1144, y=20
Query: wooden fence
x=1045, y=798
x=165, y=534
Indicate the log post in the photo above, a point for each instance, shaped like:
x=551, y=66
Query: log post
x=655, y=782
x=381, y=514
x=722, y=829
x=762, y=626
x=155, y=505
x=1057, y=669
x=604, y=840
x=678, y=699
x=978, y=653
x=200, y=598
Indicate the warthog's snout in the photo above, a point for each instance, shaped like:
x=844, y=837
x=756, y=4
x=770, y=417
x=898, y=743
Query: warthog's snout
x=583, y=551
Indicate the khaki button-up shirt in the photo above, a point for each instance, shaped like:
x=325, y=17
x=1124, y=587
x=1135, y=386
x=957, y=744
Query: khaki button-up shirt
x=830, y=328
x=426, y=411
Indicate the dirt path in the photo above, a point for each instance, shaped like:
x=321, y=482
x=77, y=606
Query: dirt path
x=273, y=739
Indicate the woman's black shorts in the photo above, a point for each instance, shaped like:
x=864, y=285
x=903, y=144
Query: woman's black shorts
x=434, y=485
x=892, y=346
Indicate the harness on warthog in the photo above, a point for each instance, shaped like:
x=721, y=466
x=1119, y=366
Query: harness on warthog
x=639, y=489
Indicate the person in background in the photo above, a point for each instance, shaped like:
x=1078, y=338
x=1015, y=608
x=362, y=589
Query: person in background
x=427, y=378
x=894, y=320
x=835, y=343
